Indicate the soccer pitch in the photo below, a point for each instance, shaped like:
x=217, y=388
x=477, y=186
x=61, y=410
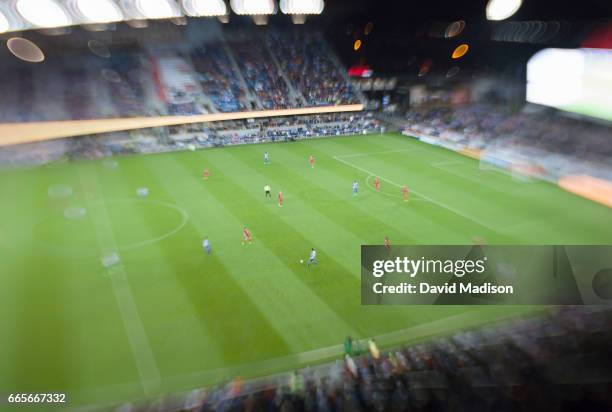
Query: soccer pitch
x=170, y=318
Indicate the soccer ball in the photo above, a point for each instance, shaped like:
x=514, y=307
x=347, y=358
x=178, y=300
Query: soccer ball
x=301, y=260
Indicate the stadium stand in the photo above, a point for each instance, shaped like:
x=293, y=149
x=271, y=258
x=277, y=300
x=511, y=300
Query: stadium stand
x=550, y=360
x=197, y=135
x=220, y=76
x=312, y=68
x=543, y=137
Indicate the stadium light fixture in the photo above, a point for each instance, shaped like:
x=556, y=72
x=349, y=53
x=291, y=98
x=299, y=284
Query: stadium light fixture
x=43, y=13
x=253, y=7
x=157, y=9
x=302, y=6
x=502, y=9
x=197, y=8
x=97, y=11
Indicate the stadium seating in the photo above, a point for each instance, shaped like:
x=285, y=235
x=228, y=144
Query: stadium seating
x=549, y=361
x=282, y=70
x=542, y=136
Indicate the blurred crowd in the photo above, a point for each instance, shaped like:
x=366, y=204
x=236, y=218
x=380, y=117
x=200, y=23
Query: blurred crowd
x=245, y=71
x=312, y=68
x=190, y=136
x=557, y=359
x=541, y=128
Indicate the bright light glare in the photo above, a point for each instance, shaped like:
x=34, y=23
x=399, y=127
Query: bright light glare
x=4, y=23
x=43, y=13
x=554, y=77
x=253, y=7
x=302, y=6
x=157, y=9
x=99, y=11
x=460, y=51
x=502, y=9
x=205, y=7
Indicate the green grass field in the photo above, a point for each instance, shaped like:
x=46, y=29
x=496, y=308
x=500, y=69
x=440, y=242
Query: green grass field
x=170, y=318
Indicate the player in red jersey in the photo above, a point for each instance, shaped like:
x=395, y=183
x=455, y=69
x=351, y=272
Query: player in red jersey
x=246, y=235
x=405, y=193
x=387, y=244
x=311, y=160
x=205, y=174
x=377, y=183
x=280, y=199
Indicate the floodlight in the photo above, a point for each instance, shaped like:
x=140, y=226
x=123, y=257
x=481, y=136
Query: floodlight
x=98, y=11
x=43, y=13
x=157, y=9
x=204, y=7
x=253, y=7
x=502, y=9
x=302, y=6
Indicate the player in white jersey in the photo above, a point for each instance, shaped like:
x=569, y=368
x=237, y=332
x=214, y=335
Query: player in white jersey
x=206, y=246
x=312, y=259
x=355, y=187
x=266, y=158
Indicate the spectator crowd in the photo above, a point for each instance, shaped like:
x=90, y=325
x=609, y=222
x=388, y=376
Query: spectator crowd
x=241, y=71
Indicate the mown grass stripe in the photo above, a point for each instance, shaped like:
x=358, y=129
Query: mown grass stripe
x=260, y=265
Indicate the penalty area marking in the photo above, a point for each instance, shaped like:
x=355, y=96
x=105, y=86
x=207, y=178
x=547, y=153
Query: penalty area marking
x=435, y=202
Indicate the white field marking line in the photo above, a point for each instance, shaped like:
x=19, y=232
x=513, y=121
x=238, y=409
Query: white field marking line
x=468, y=177
x=446, y=163
x=148, y=372
x=435, y=202
x=180, y=210
x=72, y=252
x=416, y=149
x=369, y=185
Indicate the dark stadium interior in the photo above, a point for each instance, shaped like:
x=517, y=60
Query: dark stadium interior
x=502, y=128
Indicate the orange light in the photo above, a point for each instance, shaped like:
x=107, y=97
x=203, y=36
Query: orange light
x=460, y=51
x=357, y=45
